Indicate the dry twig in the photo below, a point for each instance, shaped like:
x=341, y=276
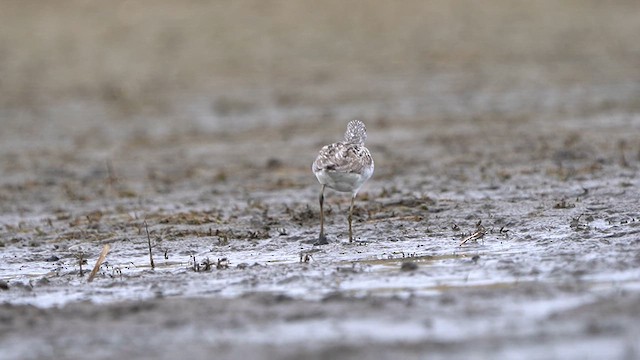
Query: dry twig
x=477, y=235
x=153, y=266
x=103, y=255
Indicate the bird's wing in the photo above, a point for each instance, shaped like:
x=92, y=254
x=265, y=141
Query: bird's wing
x=342, y=157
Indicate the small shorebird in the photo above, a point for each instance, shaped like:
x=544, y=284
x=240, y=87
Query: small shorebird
x=344, y=166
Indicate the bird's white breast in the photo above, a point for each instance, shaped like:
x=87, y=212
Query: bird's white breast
x=344, y=182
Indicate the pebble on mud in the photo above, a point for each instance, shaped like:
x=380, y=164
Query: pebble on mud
x=408, y=266
x=274, y=163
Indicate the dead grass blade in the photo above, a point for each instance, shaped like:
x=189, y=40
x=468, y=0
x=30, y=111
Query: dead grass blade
x=477, y=235
x=103, y=255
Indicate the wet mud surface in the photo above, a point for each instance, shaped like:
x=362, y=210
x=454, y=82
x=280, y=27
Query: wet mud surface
x=503, y=219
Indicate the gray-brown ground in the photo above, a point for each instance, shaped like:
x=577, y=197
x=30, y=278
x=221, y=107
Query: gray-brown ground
x=520, y=119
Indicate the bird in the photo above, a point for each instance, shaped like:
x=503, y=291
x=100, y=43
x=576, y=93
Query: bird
x=343, y=166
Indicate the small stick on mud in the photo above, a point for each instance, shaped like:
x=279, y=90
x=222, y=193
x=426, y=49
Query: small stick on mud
x=622, y=147
x=103, y=255
x=305, y=257
x=153, y=266
x=81, y=259
x=111, y=176
x=477, y=235
x=196, y=266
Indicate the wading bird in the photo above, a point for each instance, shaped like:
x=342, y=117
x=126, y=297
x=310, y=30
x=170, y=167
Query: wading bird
x=343, y=166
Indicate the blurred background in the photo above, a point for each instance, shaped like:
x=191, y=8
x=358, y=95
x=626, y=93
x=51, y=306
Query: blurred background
x=105, y=78
x=202, y=118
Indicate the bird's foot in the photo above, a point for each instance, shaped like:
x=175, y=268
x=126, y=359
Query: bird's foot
x=322, y=240
x=355, y=242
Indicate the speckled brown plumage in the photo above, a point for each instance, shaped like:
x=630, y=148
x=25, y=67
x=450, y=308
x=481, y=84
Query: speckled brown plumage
x=344, y=166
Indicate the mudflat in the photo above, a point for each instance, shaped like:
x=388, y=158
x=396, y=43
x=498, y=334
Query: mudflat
x=502, y=220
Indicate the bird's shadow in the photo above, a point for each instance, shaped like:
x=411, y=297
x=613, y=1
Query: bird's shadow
x=324, y=240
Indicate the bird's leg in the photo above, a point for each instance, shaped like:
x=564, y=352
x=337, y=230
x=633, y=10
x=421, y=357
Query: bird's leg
x=353, y=197
x=322, y=240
